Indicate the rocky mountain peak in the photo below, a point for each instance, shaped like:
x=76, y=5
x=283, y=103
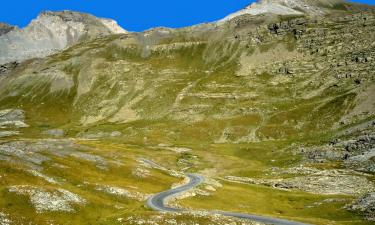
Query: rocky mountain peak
x=72, y=17
x=51, y=32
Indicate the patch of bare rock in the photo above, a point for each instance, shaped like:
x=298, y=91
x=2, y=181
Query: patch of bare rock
x=12, y=117
x=365, y=205
x=327, y=182
x=140, y=172
x=4, y=219
x=356, y=152
x=8, y=67
x=44, y=200
x=354, y=149
x=100, y=135
x=11, y=120
x=122, y=192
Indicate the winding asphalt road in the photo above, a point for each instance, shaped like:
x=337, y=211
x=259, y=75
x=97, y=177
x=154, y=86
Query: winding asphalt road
x=157, y=202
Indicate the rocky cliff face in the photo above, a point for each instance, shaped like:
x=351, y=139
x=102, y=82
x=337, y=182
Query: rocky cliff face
x=50, y=32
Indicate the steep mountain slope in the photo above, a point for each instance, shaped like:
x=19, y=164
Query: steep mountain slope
x=275, y=109
x=50, y=32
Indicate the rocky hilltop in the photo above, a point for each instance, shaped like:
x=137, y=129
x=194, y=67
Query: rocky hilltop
x=274, y=105
x=51, y=32
x=290, y=7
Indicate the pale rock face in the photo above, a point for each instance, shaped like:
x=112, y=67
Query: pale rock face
x=262, y=8
x=51, y=32
x=285, y=7
x=113, y=26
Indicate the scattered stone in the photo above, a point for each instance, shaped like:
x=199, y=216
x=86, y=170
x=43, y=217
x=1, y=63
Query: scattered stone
x=32, y=153
x=4, y=220
x=13, y=124
x=48, y=200
x=364, y=162
x=100, y=162
x=140, y=172
x=8, y=133
x=12, y=118
x=100, y=135
x=121, y=192
x=327, y=201
x=328, y=185
x=365, y=205
x=44, y=177
x=285, y=70
x=172, y=148
x=210, y=188
x=327, y=182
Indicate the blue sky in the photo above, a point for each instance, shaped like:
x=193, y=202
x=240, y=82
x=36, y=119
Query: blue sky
x=134, y=15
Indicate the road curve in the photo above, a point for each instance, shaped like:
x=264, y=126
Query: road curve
x=157, y=202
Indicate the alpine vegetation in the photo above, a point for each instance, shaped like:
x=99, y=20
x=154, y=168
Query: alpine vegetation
x=266, y=116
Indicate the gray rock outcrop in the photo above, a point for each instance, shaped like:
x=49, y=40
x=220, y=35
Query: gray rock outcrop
x=12, y=118
x=6, y=68
x=5, y=28
x=365, y=205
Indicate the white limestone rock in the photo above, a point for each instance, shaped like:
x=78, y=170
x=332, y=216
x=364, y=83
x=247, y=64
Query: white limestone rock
x=51, y=32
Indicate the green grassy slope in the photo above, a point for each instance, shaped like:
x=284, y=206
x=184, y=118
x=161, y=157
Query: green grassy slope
x=239, y=95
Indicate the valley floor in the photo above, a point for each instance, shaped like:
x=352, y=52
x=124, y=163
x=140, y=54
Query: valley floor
x=81, y=181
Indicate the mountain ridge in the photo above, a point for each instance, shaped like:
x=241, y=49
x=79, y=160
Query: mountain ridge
x=80, y=26
x=288, y=7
